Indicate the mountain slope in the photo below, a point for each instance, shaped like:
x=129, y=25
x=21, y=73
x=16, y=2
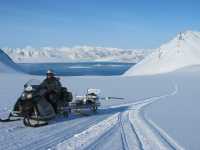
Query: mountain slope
x=182, y=51
x=82, y=53
x=6, y=64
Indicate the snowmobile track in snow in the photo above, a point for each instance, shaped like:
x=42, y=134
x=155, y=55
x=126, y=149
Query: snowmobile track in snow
x=105, y=135
x=123, y=134
x=134, y=131
x=48, y=137
x=51, y=141
x=150, y=135
x=123, y=125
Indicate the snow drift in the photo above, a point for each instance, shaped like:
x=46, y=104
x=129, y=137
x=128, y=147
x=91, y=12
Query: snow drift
x=78, y=53
x=182, y=51
x=7, y=65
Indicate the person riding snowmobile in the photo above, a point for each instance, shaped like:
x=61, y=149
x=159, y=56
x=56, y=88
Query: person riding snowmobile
x=52, y=88
x=41, y=102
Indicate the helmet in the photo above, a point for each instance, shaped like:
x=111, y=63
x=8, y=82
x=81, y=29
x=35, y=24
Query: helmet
x=29, y=88
x=50, y=72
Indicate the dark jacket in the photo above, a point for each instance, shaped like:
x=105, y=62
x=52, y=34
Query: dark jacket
x=51, y=85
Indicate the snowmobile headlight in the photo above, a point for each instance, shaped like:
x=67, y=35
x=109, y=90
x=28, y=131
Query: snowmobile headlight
x=23, y=96
x=29, y=96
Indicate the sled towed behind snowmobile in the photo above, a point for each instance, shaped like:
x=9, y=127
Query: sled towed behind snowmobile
x=90, y=101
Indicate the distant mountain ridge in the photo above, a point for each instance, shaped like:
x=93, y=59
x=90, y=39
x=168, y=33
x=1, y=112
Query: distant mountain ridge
x=78, y=53
x=181, y=51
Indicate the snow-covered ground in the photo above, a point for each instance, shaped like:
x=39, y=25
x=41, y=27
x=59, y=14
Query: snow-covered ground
x=166, y=99
x=179, y=115
x=13, y=134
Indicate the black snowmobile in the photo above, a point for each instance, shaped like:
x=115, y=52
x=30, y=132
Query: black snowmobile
x=35, y=109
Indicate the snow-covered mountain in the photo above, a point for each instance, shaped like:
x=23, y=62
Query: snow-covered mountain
x=182, y=51
x=6, y=64
x=81, y=53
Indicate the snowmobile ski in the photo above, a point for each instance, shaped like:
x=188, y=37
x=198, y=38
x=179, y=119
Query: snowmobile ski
x=9, y=120
x=27, y=122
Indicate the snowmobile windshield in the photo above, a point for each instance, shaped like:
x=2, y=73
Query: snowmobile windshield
x=33, y=83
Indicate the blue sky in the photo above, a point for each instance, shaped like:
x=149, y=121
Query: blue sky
x=109, y=23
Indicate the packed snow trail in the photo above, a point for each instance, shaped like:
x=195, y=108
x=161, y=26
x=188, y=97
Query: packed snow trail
x=127, y=130
x=43, y=137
